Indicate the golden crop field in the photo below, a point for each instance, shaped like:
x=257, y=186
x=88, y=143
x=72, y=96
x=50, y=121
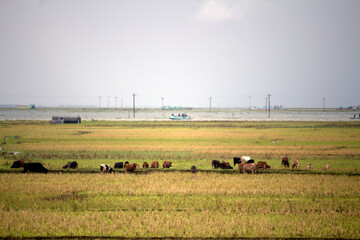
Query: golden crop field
x=166, y=203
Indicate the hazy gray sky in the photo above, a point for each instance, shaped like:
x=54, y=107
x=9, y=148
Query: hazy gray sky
x=67, y=52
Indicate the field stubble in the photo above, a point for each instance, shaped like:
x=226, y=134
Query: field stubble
x=179, y=205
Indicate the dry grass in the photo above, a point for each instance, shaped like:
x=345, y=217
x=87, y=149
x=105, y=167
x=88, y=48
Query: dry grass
x=179, y=205
x=174, y=204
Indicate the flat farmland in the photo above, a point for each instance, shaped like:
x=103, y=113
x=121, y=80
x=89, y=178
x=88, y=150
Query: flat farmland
x=213, y=203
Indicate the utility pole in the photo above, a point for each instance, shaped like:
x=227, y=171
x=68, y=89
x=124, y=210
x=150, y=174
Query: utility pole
x=210, y=104
x=116, y=103
x=324, y=99
x=99, y=102
x=134, y=105
x=266, y=103
x=249, y=102
x=269, y=103
x=162, y=103
x=108, y=102
x=121, y=103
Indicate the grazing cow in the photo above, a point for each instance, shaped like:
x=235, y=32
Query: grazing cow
x=237, y=160
x=18, y=164
x=119, y=165
x=249, y=167
x=34, y=167
x=225, y=165
x=327, y=166
x=308, y=166
x=193, y=169
x=72, y=165
x=154, y=164
x=106, y=169
x=285, y=162
x=250, y=161
x=145, y=165
x=130, y=167
x=241, y=165
x=296, y=164
x=215, y=164
x=245, y=159
x=166, y=164
x=262, y=165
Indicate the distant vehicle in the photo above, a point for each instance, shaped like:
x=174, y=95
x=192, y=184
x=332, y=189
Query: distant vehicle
x=180, y=117
x=31, y=106
x=356, y=117
x=175, y=108
x=61, y=120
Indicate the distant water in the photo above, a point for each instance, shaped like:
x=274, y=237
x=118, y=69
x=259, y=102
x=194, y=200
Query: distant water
x=157, y=114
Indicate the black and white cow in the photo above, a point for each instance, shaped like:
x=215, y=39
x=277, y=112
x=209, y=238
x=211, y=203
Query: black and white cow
x=106, y=169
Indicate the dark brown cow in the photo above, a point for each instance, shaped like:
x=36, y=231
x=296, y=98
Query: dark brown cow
x=34, y=167
x=193, y=169
x=145, y=165
x=285, y=162
x=262, y=165
x=130, y=167
x=215, y=164
x=72, y=165
x=18, y=164
x=154, y=164
x=225, y=165
x=166, y=164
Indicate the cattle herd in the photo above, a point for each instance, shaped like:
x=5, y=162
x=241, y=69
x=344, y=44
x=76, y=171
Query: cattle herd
x=245, y=164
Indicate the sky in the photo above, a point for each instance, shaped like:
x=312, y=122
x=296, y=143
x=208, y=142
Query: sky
x=180, y=53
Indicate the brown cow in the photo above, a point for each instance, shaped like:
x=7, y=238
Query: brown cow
x=285, y=162
x=72, y=165
x=225, y=165
x=308, y=166
x=154, y=164
x=263, y=165
x=193, y=169
x=145, y=165
x=241, y=165
x=166, y=164
x=249, y=167
x=296, y=164
x=130, y=167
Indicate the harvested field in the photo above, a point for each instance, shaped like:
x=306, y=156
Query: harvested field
x=168, y=203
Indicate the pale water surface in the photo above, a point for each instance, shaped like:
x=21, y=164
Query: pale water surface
x=158, y=114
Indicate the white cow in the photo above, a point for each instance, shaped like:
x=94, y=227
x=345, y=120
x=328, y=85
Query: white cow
x=244, y=159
